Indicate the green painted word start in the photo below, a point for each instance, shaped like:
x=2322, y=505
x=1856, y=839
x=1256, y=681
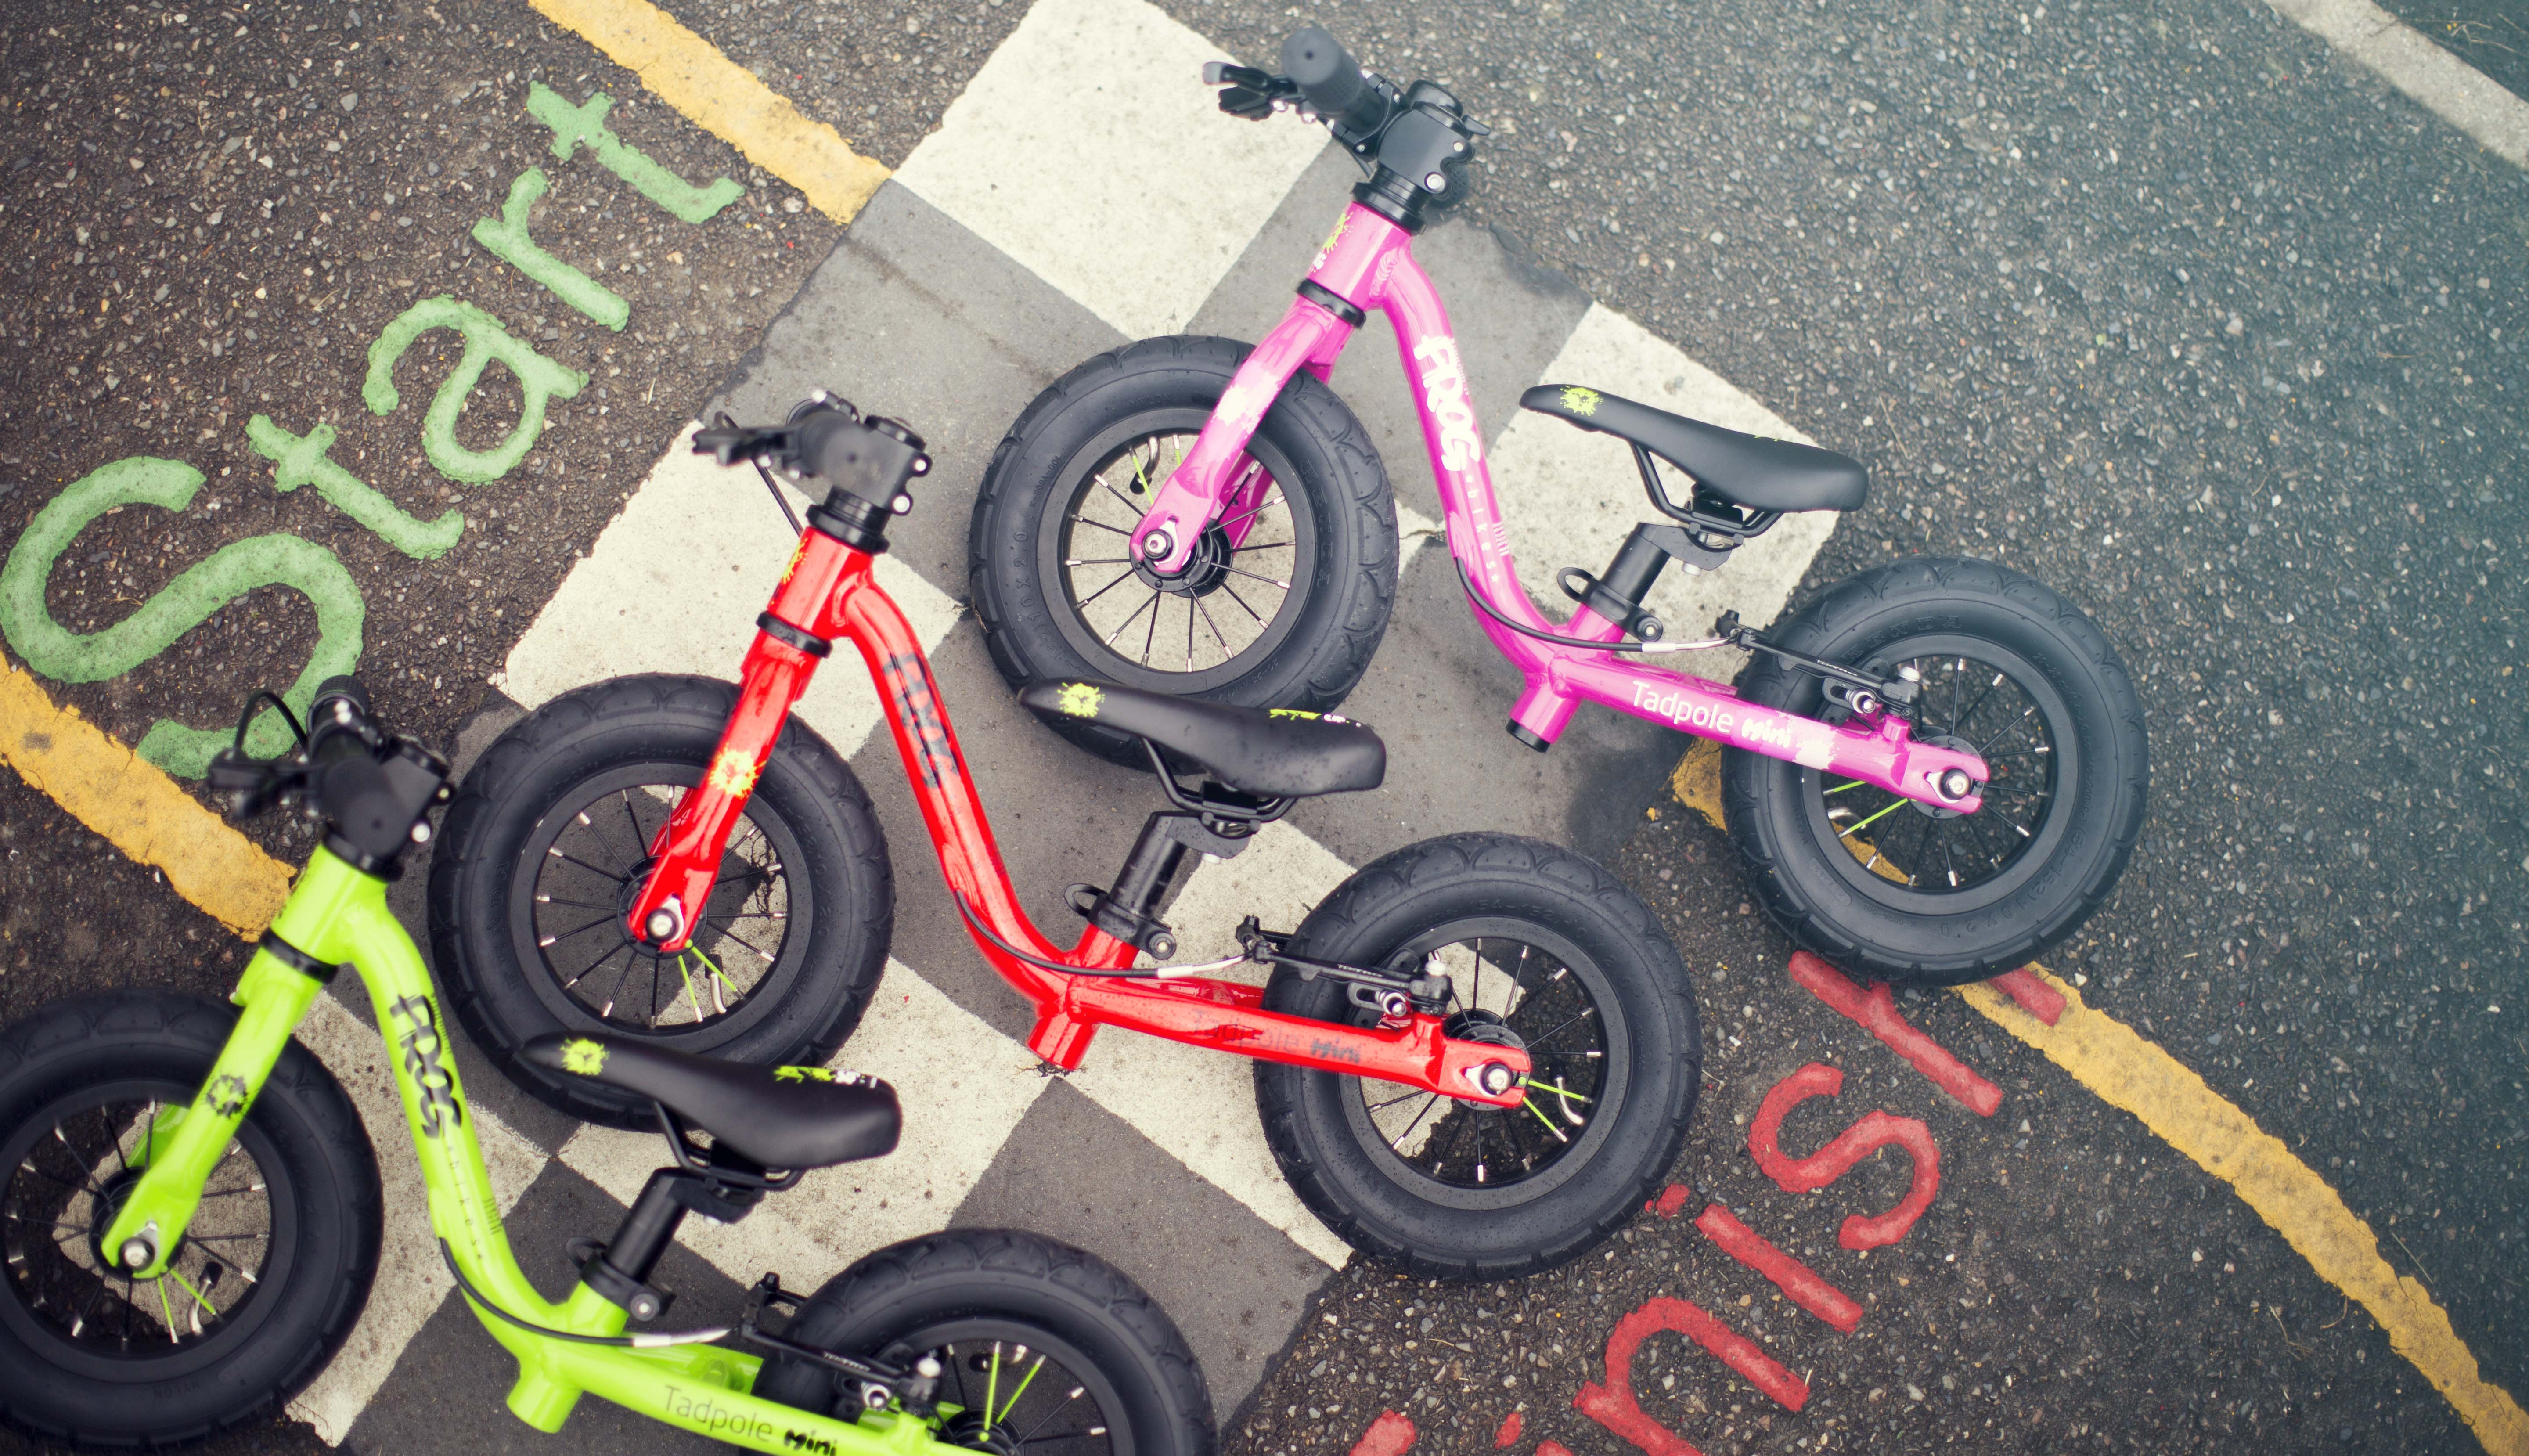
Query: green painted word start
x=282, y=559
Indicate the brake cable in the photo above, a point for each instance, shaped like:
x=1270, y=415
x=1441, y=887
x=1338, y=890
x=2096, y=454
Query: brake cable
x=658, y=1340
x=1525, y=630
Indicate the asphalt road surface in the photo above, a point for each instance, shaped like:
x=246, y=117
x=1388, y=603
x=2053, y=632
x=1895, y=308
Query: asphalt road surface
x=2169, y=307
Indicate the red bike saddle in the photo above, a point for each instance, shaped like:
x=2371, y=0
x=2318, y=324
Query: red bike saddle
x=1747, y=470
x=1273, y=753
x=777, y=1117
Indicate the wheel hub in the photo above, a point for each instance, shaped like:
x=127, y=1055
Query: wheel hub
x=111, y=1194
x=1203, y=572
x=1484, y=1028
x=968, y=1429
x=1954, y=744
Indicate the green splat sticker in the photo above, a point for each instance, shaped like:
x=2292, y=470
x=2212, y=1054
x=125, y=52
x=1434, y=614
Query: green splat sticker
x=1080, y=699
x=802, y=1074
x=583, y=1057
x=1580, y=400
x=540, y=379
x=203, y=588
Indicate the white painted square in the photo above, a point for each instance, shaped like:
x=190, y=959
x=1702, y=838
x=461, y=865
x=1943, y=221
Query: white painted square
x=673, y=585
x=412, y=1277
x=1572, y=495
x=1089, y=149
x=964, y=1088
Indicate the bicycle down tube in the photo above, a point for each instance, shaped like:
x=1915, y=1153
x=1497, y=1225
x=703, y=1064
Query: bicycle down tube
x=338, y=915
x=1369, y=262
x=829, y=593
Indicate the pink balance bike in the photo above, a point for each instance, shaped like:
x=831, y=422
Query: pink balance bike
x=1934, y=772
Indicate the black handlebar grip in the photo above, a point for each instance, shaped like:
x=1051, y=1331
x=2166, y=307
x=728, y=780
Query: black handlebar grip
x=870, y=459
x=1328, y=74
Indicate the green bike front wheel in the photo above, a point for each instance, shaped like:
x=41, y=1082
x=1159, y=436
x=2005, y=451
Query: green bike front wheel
x=270, y=1274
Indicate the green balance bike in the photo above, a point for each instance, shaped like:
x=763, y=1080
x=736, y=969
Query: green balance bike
x=190, y=1210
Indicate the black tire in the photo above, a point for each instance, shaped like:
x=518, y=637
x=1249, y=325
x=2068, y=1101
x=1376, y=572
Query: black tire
x=2071, y=778
x=1307, y=647
x=956, y=1293
x=1351, y=1169
x=820, y=875
x=84, y=1364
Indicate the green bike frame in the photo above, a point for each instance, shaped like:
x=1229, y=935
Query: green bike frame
x=338, y=915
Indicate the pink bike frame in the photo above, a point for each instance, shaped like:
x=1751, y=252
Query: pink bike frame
x=1369, y=264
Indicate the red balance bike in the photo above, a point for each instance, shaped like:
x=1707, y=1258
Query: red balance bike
x=1477, y=1055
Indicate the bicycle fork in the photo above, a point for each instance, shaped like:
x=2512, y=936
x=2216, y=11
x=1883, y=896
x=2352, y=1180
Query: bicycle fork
x=780, y=665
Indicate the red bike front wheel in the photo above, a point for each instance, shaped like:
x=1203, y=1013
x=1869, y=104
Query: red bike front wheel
x=547, y=840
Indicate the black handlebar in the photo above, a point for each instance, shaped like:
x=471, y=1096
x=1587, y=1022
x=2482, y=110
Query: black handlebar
x=1332, y=81
x=864, y=462
x=371, y=789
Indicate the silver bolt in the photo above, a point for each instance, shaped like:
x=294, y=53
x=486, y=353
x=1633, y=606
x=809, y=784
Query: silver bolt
x=421, y=831
x=662, y=924
x=1495, y=1078
x=1156, y=545
x=1911, y=673
x=1864, y=703
x=1164, y=947
x=1435, y=182
x=1955, y=783
x=136, y=1253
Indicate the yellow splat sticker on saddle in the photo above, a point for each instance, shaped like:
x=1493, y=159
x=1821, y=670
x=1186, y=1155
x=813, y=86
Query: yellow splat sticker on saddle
x=1080, y=699
x=1580, y=400
x=583, y=1057
x=802, y=1074
x=1292, y=713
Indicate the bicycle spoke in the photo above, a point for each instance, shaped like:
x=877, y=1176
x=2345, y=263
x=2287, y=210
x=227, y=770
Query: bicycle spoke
x=1267, y=581
x=1242, y=602
x=1100, y=525
x=592, y=869
x=1129, y=621
x=547, y=943
x=1104, y=590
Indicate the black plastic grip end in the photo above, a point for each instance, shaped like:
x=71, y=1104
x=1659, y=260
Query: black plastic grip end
x=1328, y=74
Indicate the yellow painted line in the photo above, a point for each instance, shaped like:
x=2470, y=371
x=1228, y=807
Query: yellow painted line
x=725, y=98
x=1697, y=781
x=2130, y=1072
x=138, y=808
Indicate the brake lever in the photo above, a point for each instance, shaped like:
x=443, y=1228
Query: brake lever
x=1248, y=92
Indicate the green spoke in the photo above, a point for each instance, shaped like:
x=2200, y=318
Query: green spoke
x=1549, y=1121
x=1562, y=1092
x=1855, y=783
x=1873, y=819
x=1030, y=1379
x=993, y=1382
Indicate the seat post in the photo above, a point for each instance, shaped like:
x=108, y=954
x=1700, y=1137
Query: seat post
x=621, y=1271
x=1129, y=911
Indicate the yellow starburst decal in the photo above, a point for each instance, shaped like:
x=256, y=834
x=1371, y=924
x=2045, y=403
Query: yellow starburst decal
x=1080, y=699
x=1290, y=713
x=802, y=1074
x=1579, y=401
x=796, y=558
x=731, y=772
x=583, y=1057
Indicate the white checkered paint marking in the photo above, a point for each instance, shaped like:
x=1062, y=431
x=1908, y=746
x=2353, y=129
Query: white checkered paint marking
x=1088, y=150
x=1067, y=129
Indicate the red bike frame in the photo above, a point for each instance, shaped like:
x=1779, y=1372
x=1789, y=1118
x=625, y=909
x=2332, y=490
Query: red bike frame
x=830, y=593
